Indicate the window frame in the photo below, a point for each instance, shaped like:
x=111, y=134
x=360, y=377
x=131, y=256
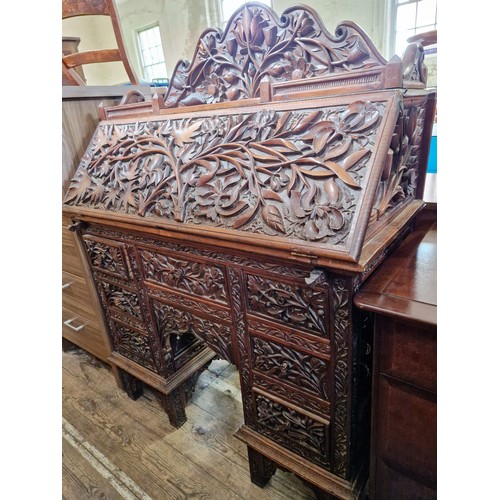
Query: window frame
x=146, y=68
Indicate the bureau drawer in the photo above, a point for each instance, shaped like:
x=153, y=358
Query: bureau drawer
x=76, y=296
x=286, y=364
x=408, y=352
x=292, y=305
x=71, y=261
x=293, y=429
x=84, y=333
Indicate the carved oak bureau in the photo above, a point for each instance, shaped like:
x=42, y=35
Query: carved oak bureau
x=238, y=214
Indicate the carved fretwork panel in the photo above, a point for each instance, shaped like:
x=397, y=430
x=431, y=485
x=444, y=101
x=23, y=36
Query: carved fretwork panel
x=171, y=321
x=258, y=45
x=132, y=344
x=107, y=257
x=297, y=432
x=191, y=277
x=299, y=174
x=290, y=365
x=293, y=305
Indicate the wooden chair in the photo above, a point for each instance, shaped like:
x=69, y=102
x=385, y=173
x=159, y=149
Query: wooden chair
x=75, y=8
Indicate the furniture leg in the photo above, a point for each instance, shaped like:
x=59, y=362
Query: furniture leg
x=130, y=384
x=174, y=404
x=261, y=468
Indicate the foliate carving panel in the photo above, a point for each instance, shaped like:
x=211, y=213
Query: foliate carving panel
x=273, y=386
x=295, y=174
x=290, y=304
x=234, y=260
x=341, y=332
x=107, y=257
x=132, y=344
x=256, y=45
x=203, y=280
x=120, y=298
x=291, y=336
x=171, y=321
x=400, y=175
x=302, y=370
x=295, y=431
x=192, y=305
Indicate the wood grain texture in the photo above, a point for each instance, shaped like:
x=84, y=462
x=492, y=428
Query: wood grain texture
x=202, y=459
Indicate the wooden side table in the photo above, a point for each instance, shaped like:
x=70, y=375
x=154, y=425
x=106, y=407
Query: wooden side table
x=402, y=297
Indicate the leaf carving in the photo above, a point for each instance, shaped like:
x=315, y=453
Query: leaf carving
x=183, y=135
x=246, y=217
x=268, y=194
x=273, y=218
x=342, y=174
x=353, y=158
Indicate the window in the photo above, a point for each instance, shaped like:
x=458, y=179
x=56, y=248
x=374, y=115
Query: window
x=152, y=58
x=413, y=17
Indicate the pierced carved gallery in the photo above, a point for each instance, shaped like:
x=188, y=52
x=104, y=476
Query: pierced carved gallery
x=249, y=250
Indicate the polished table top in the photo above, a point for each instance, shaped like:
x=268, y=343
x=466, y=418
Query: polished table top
x=405, y=285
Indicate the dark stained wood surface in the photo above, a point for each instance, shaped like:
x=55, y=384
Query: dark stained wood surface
x=405, y=285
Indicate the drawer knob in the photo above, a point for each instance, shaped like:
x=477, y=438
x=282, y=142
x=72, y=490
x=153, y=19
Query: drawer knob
x=67, y=285
x=69, y=322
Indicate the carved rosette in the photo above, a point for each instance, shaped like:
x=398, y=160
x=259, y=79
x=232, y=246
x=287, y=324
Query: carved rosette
x=257, y=46
x=295, y=174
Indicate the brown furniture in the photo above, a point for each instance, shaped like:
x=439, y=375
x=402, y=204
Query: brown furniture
x=80, y=322
x=70, y=46
x=402, y=297
x=73, y=61
x=239, y=214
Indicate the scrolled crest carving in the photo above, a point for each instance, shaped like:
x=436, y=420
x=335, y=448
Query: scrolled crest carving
x=256, y=45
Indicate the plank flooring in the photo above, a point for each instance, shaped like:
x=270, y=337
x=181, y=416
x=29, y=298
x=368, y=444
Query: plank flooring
x=116, y=448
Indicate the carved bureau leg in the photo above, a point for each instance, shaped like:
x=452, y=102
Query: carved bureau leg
x=174, y=404
x=261, y=468
x=131, y=385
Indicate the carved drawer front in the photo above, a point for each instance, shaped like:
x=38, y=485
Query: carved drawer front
x=191, y=277
x=107, y=257
x=290, y=366
x=296, y=430
x=83, y=332
x=120, y=302
x=173, y=323
x=132, y=344
x=290, y=304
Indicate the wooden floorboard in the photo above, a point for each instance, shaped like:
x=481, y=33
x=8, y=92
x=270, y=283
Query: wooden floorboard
x=116, y=448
